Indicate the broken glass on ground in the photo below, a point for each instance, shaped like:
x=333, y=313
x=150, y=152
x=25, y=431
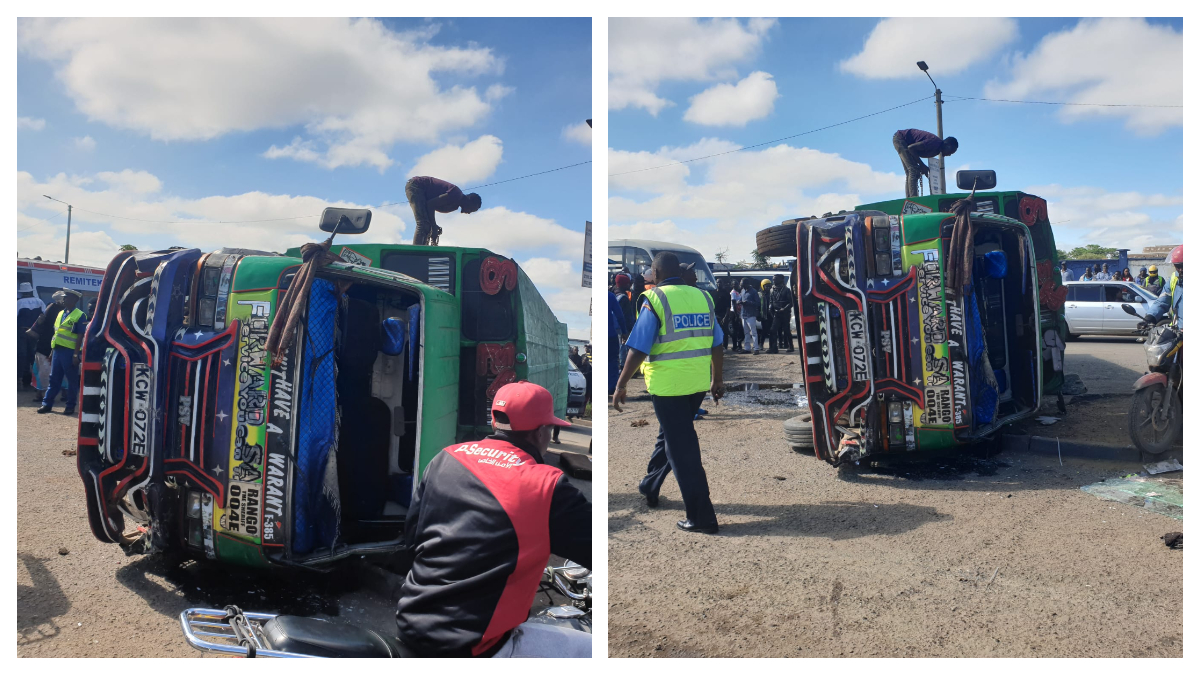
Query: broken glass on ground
x=1164, y=496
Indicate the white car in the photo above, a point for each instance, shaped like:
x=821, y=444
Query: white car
x=577, y=396
x=1094, y=307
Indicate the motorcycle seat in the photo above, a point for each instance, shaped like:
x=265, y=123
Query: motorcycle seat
x=318, y=637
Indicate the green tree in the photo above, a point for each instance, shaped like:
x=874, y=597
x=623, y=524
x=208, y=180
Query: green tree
x=1091, y=251
x=128, y=247
x=722, y=256
x=760, y=260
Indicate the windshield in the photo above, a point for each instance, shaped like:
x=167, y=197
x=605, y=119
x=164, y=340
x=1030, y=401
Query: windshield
x=704, y=277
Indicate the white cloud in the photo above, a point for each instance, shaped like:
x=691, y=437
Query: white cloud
x=580, y=133
x=509, y=232
x=736, y=194
x=497, y=91
x=646, y=52
x=553, y=254
x=1105, y=61
x=734, y=104
x=1090, y=215
x=462, y=164
x=136, y=182
x=355, y=86
x=658, y=171
x=86, y=144
x=949, y=46
x=31, y=123
x=191, y=221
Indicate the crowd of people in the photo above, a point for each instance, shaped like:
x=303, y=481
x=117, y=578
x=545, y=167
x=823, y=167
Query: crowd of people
x=740, y=305
x=1148, y=279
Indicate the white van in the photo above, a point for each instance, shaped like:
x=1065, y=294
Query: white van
x=637, y=254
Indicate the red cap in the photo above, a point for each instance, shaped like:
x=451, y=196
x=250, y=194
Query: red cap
x=1176, y=255
x=527, y=405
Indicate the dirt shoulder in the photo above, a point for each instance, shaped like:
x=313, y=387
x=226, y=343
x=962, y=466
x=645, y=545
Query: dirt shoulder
x=975, y=556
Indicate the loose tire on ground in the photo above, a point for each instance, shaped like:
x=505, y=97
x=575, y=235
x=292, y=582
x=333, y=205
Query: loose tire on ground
x=778, y=241
x=798, y=434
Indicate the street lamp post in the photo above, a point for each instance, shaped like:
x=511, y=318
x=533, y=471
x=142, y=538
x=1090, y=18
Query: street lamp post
x=67, y=253
x=937, y=99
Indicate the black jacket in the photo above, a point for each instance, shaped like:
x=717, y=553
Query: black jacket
x=482, y=527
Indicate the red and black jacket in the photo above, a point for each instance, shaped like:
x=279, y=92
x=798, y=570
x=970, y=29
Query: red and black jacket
x=482, y=527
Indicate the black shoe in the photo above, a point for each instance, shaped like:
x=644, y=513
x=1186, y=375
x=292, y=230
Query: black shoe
x=689, y=526
x=69, y=413
x=791, y=351
x=651, y=500
x=772, y=351
x=44, y=409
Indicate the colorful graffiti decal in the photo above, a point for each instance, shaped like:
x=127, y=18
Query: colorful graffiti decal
x=253, y=311
x=1032, y=210
x=498, y=361
x=279, y=440
x=495, y=273
x=354, y=257
x=958, y=366
x=939, y=399
x=1051, y=294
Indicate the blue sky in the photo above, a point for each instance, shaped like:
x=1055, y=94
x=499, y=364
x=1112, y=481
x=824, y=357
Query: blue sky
x=683, y=88
x=222, y=120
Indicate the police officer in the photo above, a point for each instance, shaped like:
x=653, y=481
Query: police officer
x=677, y=338
x=64, y=359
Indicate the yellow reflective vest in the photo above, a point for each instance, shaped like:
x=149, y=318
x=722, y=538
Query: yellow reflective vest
x=680, y=360
x=64, y=329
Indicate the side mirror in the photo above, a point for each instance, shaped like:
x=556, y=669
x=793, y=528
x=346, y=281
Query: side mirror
x=976, y=180
x=1130, y=310
x=345, y=221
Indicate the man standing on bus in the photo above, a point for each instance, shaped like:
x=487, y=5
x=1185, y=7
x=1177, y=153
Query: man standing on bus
x=64, y=360
x=428, y=195
x=912, y=145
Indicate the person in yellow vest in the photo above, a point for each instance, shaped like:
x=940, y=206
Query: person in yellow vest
x=64, y=356
x=677, y=338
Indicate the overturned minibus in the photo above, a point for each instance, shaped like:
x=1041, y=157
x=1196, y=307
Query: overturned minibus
x=193, y=439
x=897, y=361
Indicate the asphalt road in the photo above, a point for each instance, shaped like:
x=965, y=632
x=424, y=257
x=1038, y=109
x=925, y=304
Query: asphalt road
x=77, y=597
x=967, y=555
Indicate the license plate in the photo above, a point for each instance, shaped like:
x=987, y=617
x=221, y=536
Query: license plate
x=143, y=390
x=858, y=344
x=572, y=411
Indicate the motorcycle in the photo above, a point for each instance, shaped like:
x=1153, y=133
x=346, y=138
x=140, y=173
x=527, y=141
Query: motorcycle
x=1156, y=412
x=235, y=632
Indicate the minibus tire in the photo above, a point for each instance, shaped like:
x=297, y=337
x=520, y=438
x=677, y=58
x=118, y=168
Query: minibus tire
x=778, y=241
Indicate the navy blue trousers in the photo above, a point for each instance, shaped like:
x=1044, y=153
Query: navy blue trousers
x=62, y=364
x=678, y=449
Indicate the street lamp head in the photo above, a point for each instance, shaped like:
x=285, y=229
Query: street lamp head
x=922, y=66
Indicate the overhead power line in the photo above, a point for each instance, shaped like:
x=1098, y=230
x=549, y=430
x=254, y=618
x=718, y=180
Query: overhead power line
x=43, y=220
x=772, y=142
x=310, y=215
x=1102, y=105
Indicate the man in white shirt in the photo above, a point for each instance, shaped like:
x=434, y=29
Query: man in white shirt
x=1103, y=274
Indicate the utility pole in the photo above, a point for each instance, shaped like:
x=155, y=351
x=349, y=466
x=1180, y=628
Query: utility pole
x=937, y=99
x=67, y=253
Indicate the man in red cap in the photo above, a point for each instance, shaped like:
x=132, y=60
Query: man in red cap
x=482, y=526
